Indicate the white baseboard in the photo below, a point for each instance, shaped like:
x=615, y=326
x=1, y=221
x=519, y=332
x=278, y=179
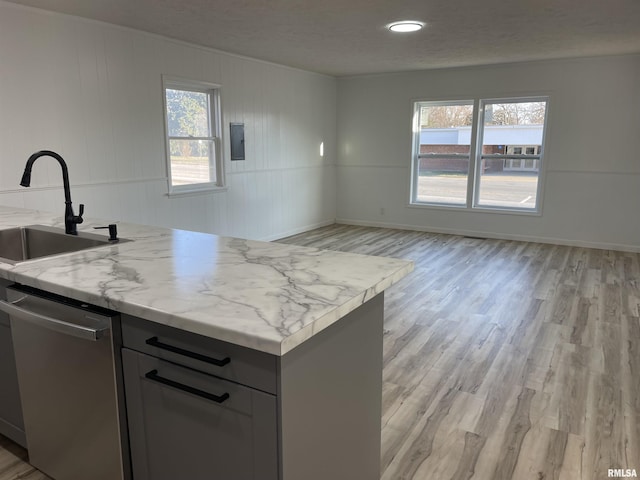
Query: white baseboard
x=498, y=236
x=296, y=231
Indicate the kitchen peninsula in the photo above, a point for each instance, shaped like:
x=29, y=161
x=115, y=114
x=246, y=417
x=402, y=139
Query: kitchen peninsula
x=296, y=331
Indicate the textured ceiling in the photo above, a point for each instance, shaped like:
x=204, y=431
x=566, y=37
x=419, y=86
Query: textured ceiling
x=347, y=37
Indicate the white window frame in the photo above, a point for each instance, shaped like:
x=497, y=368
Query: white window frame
x=216, y=166
x=481, y=156
x=476, y=156
x=417, y=106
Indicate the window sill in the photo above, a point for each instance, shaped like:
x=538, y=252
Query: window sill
x=463, y=208
x=196, y=191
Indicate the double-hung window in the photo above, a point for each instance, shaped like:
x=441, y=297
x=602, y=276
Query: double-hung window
x=192, y=123
x=479, y=154
x=442, y=152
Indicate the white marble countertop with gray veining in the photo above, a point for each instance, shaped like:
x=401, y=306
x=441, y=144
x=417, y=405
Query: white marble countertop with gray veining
x=262, y=295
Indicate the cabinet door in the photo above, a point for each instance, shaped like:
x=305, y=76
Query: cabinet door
x=179, y=430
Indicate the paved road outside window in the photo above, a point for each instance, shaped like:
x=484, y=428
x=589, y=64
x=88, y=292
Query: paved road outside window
x=506, y=189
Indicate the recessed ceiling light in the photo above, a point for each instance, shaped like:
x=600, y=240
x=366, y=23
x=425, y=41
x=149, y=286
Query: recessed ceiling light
x=406, y=26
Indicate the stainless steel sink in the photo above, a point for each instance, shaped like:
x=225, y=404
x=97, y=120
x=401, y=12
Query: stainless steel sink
x=36, y=241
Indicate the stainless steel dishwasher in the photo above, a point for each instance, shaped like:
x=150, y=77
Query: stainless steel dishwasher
x=67, y=377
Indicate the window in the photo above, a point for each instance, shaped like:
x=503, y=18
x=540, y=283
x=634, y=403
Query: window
x=192, y=125
x=520, y=122
x=480, y=154
x=443, y=149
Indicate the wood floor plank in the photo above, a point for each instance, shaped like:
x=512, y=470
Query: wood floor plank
x=605, y=437
x=517, y=430
x=466, y=466
x=13, y=463
x=582, y=328
x=630, y=385
x=411, y=459
x=544, y=453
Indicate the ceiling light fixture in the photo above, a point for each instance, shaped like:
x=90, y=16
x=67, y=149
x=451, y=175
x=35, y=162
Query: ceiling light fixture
x=406, y=26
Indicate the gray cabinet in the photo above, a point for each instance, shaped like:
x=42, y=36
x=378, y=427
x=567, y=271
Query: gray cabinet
x=11, y=422
x=188, y=423
x=202, y=409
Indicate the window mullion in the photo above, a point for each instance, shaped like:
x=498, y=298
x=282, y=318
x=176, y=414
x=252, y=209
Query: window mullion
x=474, y=153
x=415, y=160
x=443, y=155
x=513, y=156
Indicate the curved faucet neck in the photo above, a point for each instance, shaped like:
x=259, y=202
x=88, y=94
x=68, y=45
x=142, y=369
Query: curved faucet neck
x=63, y=165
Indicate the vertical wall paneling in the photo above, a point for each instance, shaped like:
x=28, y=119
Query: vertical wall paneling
x=93, y=93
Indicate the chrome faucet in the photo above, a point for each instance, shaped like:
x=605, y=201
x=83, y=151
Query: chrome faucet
x=70, y=218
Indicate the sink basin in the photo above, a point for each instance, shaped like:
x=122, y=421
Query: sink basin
x=36, y=241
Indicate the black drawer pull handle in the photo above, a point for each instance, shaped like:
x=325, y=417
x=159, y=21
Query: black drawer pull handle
x=153, y=375
x=154, y=342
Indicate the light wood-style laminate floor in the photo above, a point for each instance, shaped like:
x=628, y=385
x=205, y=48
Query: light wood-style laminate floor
x=505, y=360
x=13, y=463
x=502, y=360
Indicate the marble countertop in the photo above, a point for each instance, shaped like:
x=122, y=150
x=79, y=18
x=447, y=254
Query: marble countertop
x=262, y=295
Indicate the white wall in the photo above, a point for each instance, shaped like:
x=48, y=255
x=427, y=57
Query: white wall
x=592, y=187
x=93, y=93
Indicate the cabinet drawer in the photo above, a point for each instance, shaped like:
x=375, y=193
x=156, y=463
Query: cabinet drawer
x=187, y=424
x=222, y=359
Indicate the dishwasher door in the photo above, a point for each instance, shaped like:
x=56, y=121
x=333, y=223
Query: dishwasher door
x=66, y=373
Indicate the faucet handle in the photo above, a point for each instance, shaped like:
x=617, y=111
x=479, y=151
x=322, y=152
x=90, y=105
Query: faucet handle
x=78, y=218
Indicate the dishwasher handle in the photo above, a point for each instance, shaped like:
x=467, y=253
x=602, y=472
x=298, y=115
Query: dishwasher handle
x=57, y=325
